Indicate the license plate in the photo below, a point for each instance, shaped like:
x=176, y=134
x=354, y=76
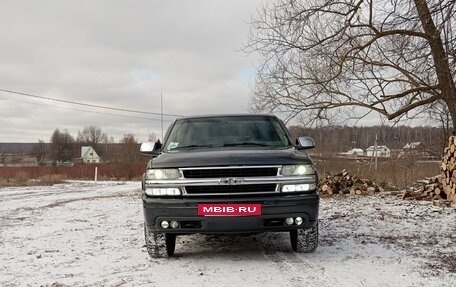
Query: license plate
x=229, y=209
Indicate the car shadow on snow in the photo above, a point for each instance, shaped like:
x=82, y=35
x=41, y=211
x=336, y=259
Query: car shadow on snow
x=200, y=245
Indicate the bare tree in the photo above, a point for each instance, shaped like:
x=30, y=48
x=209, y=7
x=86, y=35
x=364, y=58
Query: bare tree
x=329, y=59
x=62, y=146
x=110, y=151
x=92, y=135
x=40, y=151
x=129, y=153
x=440, y=115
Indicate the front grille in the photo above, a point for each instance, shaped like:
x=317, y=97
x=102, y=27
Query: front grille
x=231, y=189
x=230, y=172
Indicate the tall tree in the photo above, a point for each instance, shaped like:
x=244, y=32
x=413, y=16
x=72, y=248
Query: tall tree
x=40, y=151
x=328, y=59
x=129, y=153
x=92, y=135
x=62, y=146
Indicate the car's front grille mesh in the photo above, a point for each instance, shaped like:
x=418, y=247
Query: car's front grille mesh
x=230, y=172
x=245, y=188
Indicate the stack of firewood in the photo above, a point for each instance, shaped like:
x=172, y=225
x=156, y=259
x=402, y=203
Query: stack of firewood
x=426, y=189
x=448, y=171
x=441, y=187
x=345, y=183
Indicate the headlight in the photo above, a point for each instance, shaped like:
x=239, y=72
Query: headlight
x=304, y=169
x=159, y=174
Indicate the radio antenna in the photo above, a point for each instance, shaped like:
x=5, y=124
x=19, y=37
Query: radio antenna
x=161, y=101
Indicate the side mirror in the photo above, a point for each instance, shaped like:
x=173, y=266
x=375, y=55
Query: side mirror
x=150, y=148
x=305, y=143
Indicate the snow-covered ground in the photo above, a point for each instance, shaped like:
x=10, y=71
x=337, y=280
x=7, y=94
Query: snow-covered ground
x=91, y=234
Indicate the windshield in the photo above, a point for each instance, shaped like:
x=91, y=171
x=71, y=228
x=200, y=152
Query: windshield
x=227, y=132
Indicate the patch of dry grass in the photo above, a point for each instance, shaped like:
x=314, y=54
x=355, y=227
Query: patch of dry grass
x=21, y=179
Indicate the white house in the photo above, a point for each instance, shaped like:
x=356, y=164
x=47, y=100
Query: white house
x=382, y=151
x=355, y=152
x=89, y=155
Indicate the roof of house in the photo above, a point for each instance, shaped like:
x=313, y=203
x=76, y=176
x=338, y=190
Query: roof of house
x=86, y=150
x=379, y=147
x=413, y=145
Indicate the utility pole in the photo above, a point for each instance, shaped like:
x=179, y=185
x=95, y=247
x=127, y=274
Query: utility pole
x=375, y=150
x=161, y=97
x=374, y=154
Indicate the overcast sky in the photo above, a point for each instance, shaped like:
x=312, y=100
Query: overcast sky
x=120, y=54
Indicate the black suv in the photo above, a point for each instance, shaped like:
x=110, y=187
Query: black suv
x=229, y=174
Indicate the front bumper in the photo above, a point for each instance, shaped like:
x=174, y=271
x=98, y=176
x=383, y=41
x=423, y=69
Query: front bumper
x=274, y=211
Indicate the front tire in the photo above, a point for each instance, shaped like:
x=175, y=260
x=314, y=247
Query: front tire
x=159, y=245
x=304, y=240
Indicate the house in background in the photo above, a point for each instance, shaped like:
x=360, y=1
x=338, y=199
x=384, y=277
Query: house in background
x=414, y=146
x=382, y=151
x=412, y=149
x=355, y=152
x=417, y=150
x=89, y=155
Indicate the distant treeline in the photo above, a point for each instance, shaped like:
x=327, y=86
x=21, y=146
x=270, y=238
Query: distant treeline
x=341, y=139
x=30, y=148
x=331, y=139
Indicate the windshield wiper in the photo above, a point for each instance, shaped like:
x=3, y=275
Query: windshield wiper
x=246, y=144
x=192, y=146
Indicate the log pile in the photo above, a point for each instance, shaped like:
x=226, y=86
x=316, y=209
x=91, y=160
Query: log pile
x=426, y=189
x=345, y=183
x=448, y=171
x=441, y=187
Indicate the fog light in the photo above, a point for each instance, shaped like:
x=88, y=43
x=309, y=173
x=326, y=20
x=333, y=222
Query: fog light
x=289, y=221
x=164, y=224
x=174, y=224
x=298, y=220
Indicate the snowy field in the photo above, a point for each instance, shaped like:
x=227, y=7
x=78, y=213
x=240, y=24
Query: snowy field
x=91, y=234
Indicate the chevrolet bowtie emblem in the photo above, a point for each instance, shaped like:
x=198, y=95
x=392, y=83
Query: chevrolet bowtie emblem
x=230, y=181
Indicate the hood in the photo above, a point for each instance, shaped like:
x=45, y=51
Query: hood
x=228, y=157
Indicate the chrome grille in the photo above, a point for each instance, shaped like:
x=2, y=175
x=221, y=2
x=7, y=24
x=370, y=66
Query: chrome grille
x=230, y=172
x=246, y=188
